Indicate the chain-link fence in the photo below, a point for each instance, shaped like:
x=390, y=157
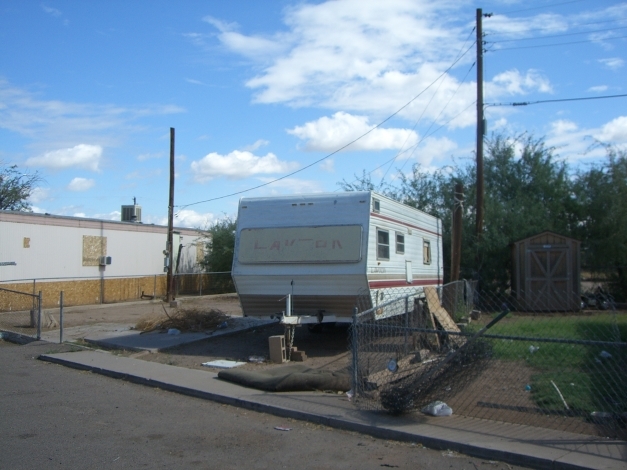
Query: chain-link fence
x=486, y=357
x=20, y=313
x=204, y=283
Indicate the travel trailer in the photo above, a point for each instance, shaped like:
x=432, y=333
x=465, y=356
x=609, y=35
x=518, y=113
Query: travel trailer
x=309, y=258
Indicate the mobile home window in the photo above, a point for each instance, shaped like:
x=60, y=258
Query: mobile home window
x=383, y=244
x=426, y=252
x=376, y=205
x=400, y=243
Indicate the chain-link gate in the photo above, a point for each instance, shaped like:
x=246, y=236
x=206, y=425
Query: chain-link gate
x=21, y=313
x=486, y=357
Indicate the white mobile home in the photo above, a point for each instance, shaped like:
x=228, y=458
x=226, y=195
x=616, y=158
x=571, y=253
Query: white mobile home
x=326, y=250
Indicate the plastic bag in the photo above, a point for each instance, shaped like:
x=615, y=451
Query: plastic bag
x=437, y=408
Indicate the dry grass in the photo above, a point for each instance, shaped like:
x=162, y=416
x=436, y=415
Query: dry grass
x=184, y=319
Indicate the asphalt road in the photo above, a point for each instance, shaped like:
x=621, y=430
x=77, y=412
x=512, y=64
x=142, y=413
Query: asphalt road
x=56, y=417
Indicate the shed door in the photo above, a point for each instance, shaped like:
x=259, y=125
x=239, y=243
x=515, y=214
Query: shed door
x=548, y=285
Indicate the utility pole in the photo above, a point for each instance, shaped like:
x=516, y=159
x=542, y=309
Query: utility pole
x=170, y=279
x=480, y=124
x=456, y=232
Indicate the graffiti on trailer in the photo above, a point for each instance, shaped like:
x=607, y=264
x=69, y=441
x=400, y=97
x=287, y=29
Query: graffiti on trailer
x=276, y=244
x=326, y=244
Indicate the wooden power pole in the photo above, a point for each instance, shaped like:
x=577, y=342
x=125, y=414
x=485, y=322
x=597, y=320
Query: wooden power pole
x=480, y=124
x=170, y=278
x=456, y=232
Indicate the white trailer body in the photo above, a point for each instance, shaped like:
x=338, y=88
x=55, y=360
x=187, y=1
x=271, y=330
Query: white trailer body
x=326, y=250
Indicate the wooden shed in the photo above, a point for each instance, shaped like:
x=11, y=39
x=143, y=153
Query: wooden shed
x=546, y=273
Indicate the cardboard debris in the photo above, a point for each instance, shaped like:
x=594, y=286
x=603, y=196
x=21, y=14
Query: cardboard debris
x=223, y=364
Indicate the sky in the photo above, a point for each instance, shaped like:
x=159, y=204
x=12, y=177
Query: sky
x=290, y=97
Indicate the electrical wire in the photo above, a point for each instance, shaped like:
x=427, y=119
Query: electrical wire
x=183, y=206
x=574, y=25
x=557, y=44
x=527, y=103
x=432, y=98
x=413, y=147
x=544, y=6
x=556, y=35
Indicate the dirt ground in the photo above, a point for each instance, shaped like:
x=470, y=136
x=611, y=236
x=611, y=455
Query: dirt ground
x=327, y=349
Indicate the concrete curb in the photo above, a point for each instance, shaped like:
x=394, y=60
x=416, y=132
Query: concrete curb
x=464, y=441
x=106, y=343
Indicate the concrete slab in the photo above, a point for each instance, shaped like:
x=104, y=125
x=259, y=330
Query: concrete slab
x=123, y=336
x=522, y=445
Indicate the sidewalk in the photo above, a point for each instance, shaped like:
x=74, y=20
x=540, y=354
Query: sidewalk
x=522, y=445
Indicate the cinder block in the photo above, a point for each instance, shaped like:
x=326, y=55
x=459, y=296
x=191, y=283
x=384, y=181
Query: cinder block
x=298, y=356
x=277, y=349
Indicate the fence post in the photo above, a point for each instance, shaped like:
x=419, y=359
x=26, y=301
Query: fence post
x=406, y=324
x=200, y=291
x=355, y=359
x=39, y=317
x=61, y=317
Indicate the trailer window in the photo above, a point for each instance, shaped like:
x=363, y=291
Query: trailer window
x=400, y=243
x=426, y=252
x=376, y=205
x=383, y=244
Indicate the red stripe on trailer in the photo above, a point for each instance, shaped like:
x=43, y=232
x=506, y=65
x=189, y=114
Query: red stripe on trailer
x=384, y=217
x=403, y=283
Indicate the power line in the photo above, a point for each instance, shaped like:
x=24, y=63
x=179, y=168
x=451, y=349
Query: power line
x=181, y=207
x=557, y=35
x=574, y=25
x=527, y=103
x=557, y=44
x=545, y=6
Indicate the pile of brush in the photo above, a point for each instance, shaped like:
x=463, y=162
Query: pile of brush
x=185, y=319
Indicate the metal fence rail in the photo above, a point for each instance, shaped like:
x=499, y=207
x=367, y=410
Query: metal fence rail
x=21, y=322
x=557, y=369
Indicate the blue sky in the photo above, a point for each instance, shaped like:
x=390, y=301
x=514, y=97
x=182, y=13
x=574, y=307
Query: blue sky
x=258, y=90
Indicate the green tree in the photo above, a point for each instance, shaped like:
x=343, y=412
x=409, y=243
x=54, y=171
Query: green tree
x=16, y=188
x=220, y=245
x=601, y=194
x=527, y=190
x=218, y=261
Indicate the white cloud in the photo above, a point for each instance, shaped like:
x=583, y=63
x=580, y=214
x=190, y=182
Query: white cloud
x=328, y=165
x=614, y=132
x=254, y=47
x=373, y=57
x=193, y=219
x=328, y=134
x=434, y=150
x=598, y=88
x=60, y=124
x=51, y=11
x=291, y=186
x=193, y=81
x=512, y=82
x=238, y=165
x=258, y=144
x=81, y=184
x=329, y=46
x=80, y=156
x=612, y=63
x=38, y=195
x=543, y=24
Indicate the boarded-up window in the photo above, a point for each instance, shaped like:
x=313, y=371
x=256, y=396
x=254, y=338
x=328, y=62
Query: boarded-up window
x=93, y=249
x=200, y=251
